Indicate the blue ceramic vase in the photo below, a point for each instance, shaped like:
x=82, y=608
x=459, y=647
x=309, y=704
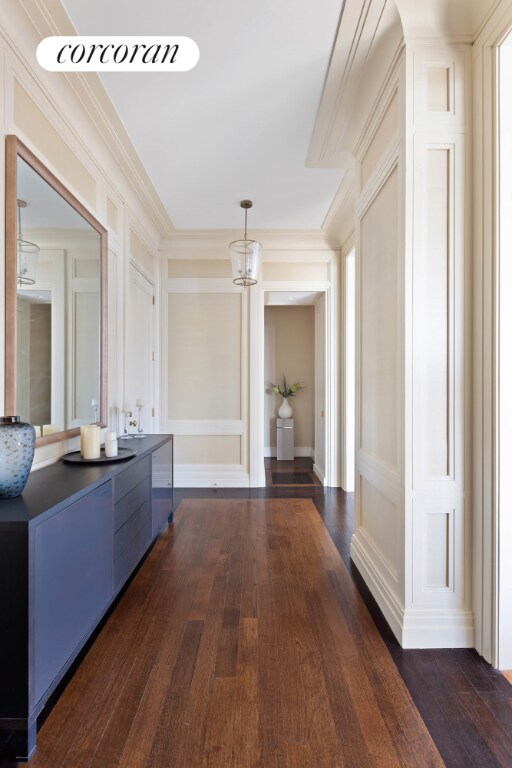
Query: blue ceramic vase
x=17, y=446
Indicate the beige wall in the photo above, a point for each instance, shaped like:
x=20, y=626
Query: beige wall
x=204, y=334
x=290, y=350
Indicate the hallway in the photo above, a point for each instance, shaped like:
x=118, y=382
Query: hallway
x=243, y=640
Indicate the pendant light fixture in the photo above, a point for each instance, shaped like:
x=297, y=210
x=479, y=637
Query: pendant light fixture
x=245, y=255
x=27, y=254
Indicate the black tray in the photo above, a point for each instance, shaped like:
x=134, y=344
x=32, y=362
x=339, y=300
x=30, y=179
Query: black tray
x=122, y=454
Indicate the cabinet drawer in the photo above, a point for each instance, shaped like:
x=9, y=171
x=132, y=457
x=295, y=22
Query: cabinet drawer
x=125, y=508
x=73, y=581
x=125, y=535
x=131, y=556
x=125, y=481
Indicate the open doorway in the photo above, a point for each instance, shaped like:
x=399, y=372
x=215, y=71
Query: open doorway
x=294, y=348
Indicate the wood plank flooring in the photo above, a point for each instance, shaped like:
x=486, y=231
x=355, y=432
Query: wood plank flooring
x=242, y=642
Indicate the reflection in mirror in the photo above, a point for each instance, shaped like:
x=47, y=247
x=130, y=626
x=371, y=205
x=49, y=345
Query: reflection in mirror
x=58, y=357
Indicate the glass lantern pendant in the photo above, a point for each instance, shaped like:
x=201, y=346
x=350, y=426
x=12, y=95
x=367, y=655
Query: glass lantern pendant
x=245, y=255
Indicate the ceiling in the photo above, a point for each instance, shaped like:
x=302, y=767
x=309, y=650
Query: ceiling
x=239, y=124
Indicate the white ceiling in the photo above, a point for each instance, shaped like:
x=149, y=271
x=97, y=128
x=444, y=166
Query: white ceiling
x=239, y=124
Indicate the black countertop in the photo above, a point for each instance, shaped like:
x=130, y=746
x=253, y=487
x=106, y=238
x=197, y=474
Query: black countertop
x=54, y=487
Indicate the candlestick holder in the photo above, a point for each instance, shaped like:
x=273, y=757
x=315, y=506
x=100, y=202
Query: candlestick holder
x=139, y=404
x=126, y=411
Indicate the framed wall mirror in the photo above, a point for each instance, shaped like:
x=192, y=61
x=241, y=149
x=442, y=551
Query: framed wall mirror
x=55, y=302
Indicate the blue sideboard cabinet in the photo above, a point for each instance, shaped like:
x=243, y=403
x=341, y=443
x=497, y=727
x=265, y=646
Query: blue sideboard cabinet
x=67, y=547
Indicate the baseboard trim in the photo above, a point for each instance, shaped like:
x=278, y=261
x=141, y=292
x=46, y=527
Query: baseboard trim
x=205, y=476
x=414, y=628
x=319, y=473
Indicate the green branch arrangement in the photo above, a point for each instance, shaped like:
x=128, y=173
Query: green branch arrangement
x=284, y=390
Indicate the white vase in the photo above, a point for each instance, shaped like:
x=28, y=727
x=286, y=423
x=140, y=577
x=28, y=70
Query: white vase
x=285, y=411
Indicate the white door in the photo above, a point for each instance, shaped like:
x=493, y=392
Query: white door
x=139, y=348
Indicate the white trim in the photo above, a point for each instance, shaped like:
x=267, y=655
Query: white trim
x=205, y=427
x=319, y=473
x=257, y=385
x=212, y=244
x=207, y=476
x=414, y=628
x=489, y=546
x=257, y=368
x=202, y=285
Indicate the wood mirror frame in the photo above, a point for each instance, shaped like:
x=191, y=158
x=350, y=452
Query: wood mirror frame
x=13, y=150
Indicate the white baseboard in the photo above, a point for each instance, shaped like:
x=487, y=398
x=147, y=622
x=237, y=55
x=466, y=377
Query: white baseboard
x=433, y=627
x=204, y=476
x=297, y=452
x=319, y=472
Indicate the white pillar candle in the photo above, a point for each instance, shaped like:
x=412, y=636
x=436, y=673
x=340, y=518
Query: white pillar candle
x=126, y=408
x=90, y=435
x=110, y=444
x=139, y=403
x=37, y=431
x=50, y=429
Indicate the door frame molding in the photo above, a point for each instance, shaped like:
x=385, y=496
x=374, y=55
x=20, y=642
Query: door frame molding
x=257, y=372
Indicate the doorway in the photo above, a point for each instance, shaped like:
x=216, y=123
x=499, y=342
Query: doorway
x=323, y=298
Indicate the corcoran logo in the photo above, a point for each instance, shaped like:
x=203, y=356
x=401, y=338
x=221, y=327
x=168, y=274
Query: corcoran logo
x=117, y=54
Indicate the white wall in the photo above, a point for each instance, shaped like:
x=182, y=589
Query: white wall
x=413, y=508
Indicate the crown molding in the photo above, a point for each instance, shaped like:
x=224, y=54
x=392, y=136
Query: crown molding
x=368, y=39
x=339, y=222
x=48, y=17
x=216, y=241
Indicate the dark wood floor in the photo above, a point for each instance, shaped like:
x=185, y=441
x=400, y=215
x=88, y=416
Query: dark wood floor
x=245, y=639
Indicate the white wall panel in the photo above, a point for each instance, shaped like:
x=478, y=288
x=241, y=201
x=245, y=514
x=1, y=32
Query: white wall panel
x=379, y=368
x=380, y=520
x=414, y=255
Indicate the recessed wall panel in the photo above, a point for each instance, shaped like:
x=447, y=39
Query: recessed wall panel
x=379, y=520
x=207, y=449
x=276, y=270
x=204, y=356
x=438, y=89
x=199, y=268
x=435, y=322
x=379, y=332
x=437, y=550
x=141, y=252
